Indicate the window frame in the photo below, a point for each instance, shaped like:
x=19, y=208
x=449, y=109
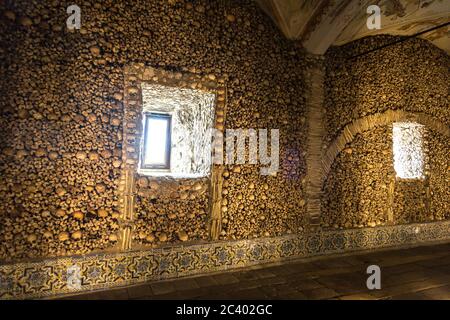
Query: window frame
x=168, y=118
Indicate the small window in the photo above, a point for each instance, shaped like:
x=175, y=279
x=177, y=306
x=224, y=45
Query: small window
x=176, y=139
x=408, y=150
x=157, y=141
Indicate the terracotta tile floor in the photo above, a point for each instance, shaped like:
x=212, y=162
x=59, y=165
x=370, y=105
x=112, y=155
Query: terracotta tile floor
x=416, y=273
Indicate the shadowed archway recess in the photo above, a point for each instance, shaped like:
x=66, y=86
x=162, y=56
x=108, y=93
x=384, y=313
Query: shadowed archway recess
x=369, y=122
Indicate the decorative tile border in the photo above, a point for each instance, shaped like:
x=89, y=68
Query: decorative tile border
x=49, y=277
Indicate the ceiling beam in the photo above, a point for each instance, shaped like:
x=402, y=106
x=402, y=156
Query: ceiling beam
x=331, y=23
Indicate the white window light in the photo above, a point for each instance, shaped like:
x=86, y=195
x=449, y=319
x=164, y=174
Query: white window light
x=408, y=150
x=157, y=142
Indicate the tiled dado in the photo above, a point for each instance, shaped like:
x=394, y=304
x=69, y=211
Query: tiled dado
x=48, y=277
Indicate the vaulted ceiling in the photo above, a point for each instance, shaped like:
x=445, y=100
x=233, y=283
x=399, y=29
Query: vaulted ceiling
x=318, y=24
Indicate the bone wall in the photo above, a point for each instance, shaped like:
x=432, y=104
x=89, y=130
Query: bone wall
x=361, y=188
x=61, y=121
x=413, y=76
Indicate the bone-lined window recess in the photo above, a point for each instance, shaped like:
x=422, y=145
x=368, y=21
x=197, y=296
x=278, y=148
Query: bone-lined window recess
x=408, y=150
x=175, y=139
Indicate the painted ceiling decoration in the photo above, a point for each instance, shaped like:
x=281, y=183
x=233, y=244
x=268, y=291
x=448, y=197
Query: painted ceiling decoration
x=320, y=24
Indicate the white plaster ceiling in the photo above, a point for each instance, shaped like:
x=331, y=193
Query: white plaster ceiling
x=318, y=24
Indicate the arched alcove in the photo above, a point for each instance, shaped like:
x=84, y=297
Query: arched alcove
x=367, y=123
x=359, y=177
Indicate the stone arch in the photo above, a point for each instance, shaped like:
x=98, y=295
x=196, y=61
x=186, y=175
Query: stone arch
x=369, y=122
